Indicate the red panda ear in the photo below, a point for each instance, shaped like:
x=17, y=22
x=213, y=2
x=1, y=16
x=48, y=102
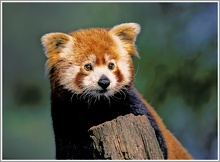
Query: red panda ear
x=54, y=42
x=127, y=33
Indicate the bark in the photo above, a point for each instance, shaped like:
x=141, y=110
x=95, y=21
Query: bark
x=126, y=137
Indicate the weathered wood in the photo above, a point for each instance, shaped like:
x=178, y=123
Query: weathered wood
x=126, y=137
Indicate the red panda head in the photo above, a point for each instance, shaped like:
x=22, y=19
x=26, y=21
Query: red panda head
x=94, y=62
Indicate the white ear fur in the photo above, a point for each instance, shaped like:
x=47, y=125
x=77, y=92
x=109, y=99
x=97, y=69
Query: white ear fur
x=127, y=33
x=126, y=30
x=55, y=42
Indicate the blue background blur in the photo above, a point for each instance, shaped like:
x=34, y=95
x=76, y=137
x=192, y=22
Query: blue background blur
x=177, y=72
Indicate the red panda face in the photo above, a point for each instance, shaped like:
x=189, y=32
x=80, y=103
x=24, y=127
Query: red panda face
x=94, y=62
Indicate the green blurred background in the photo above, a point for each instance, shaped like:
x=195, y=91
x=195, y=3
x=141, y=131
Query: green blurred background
x=177, y=72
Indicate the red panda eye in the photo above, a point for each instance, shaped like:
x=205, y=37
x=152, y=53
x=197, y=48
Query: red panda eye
x=88, y=67
x=111, y=66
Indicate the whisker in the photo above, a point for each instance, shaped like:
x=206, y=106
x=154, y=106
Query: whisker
x=134, y=77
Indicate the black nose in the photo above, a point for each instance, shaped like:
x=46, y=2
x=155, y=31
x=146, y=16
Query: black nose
x=104, y=82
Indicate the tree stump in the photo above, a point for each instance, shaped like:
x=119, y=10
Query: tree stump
x=126, y=137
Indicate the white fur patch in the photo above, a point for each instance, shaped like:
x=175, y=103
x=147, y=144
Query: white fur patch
x=67, y=77
x=92, y=58
x=68, y=49
x=92, y=79
x=123, y=62
x=107, y=58
x=91, y=82
x=123, y=65
x=89, y=86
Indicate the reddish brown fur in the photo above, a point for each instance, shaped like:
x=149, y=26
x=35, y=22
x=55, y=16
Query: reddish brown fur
x=119, y=75
x=78, y=80
x=175, y=149
x=87, y=42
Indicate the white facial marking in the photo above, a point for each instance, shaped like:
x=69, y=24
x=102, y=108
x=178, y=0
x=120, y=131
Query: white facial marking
x=92, y=58
x=123, y=62
x=107, y=58
x=123, y=65
x=91, y=81
x=67, y=77
x=93, y=78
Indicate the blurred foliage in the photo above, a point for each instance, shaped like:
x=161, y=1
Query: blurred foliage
x=177, y=72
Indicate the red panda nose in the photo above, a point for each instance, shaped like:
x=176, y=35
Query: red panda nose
x=103, y=82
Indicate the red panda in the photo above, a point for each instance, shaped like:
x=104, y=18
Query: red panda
x=91, y=76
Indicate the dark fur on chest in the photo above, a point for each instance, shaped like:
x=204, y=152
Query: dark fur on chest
x=73, y=116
